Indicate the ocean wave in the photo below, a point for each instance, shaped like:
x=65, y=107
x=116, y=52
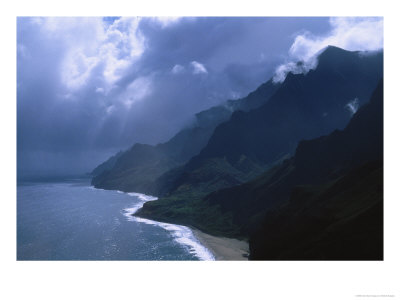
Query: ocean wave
x=181, y=234
x=143, y=197
x=95, y=188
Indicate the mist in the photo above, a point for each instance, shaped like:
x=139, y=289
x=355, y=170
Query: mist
x=89, y=87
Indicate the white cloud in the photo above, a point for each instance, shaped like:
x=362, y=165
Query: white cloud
x=136, y=91
x=295, y=68
x=198, y=68
x=77, y=68
x=354, y=34
x=123, y=45
x=178, y=69
x=353, y=106
x=166, y=21
x=364, y=34
x=100, y=90
x=90, y=42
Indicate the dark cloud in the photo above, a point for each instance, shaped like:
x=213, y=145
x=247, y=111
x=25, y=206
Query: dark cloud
x=87, y=87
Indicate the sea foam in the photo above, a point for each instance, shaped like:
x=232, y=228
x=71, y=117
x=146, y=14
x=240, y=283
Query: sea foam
x=180, y=233
x=143, y=197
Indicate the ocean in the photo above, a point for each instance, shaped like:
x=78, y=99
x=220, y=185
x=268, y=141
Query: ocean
x=71, y=220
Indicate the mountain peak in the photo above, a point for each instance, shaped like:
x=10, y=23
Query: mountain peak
x=333, y=53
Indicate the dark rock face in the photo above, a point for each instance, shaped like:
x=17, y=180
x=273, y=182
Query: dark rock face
x=335, y=210
x=304, y=107
x=328, y=192
x=296, y=168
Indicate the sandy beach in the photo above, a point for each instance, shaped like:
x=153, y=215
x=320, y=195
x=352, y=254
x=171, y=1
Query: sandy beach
x=223, y=248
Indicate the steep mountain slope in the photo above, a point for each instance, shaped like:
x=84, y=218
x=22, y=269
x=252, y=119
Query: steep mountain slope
x=304, y=107
x=315, y=162
x=139, y=169
x=107, y=165
x=339, y=220
x=323, y=203
x=337, y=212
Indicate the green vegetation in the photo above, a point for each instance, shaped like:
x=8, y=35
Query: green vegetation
x=299, y=175
x=323, y=203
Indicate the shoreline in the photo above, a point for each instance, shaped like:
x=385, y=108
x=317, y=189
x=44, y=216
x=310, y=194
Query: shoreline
x=223, y=248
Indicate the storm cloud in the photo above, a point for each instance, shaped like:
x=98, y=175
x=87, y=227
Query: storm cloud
x=89, y=87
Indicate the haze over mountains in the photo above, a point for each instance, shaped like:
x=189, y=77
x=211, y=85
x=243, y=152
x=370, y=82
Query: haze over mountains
x=304, y=107
x=138, y=168
x=304, y=156
x=264, y=128
x=88, y=87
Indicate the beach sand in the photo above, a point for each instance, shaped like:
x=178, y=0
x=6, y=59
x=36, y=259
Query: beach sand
x=223, y=248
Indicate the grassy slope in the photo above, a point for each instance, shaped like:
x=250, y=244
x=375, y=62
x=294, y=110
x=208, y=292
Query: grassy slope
x=186, y=205
x=305, y=106
x=240, y=210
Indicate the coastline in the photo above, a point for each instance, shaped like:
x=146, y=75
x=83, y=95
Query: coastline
x=223, y=248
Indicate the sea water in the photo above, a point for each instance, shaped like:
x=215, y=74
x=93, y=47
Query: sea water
x=71, y=220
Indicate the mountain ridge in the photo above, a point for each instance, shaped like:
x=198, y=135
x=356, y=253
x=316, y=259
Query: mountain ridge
x=285, y=211
x=286, y=164
x=294, y=112
x=139, y=170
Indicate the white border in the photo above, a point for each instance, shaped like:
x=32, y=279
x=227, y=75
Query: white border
x=198, y=280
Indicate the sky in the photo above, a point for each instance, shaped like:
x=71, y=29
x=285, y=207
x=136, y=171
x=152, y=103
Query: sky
x=89, y=87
